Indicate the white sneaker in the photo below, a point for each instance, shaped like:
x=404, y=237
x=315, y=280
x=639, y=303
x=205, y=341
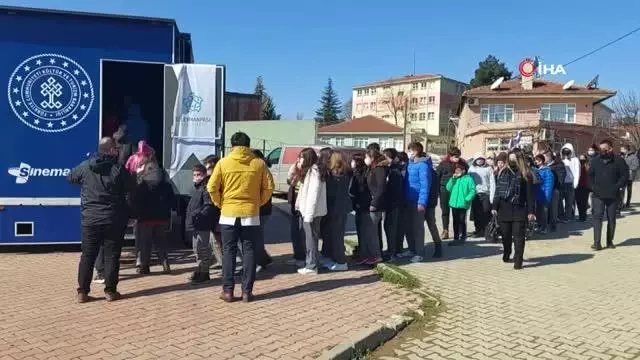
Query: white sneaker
x=416, y=259
x=339, y=267
x=305, y=271
x=406, y=254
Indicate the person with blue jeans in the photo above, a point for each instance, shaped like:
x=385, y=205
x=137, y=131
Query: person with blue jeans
x=416, y=191
x=544, y=193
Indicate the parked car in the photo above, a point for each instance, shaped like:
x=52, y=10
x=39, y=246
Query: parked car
x=282, y=158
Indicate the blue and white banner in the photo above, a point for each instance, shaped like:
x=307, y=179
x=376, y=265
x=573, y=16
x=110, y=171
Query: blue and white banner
x=196, y=121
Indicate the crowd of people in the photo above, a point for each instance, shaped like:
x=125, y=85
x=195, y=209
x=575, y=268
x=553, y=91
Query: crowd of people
x=507, y=195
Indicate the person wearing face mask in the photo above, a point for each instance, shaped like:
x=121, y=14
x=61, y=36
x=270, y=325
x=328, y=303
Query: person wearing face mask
x=607, y=173
x=559, y=174
x=484, y=179
x=378, y=171
x=583, y=190
x=394, y=204
x=445, y=172
x=633, y=164
x=368, y=249
x=514, y=205
x=592, y=152
x=417, y=185
x=572, y=167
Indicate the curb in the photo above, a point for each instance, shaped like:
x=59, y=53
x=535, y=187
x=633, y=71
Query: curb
x=368, y=338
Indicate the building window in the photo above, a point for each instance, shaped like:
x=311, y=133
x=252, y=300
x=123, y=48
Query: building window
x=432, y=99
x=399, y=144
x=400, y=93
x=360, y=142
x=422, y=117
x=359, y=92
x=558, y=112
x=372, y=106
x=339, y=141
x=386, y=117
x=366, y=92
x=414, y=101
x=497, y=144
x=423, y=100
x=495, y=113
x=414, y=86
x=423, y=85
x=412, y=117
x=386, y=87
x=386, y=143
x=373, y=91
x=430, y=116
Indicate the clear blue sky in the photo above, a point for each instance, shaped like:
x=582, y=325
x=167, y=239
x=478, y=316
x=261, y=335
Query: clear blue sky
x=297, y=45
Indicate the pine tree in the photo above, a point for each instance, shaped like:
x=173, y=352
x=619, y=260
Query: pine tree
x=330, y=107
x=488, y=71
x=268, y=108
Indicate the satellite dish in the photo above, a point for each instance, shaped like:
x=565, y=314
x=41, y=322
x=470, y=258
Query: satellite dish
x=496, y=84
x=593, y=84
x=568, y=85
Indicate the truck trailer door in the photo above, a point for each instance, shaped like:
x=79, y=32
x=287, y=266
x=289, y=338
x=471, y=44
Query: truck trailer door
x=193, y=126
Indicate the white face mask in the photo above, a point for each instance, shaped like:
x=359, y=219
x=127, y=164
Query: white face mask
x=353, y=164
x=368, y=161
x=591, y=152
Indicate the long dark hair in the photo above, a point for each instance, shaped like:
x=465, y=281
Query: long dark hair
x=324, y=162
x=375, y=156
x=361, y=167
x=310, y=158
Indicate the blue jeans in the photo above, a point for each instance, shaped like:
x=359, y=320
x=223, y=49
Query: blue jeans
x=249, y=237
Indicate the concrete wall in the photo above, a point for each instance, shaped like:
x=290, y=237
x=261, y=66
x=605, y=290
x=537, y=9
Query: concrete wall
x=267, y=135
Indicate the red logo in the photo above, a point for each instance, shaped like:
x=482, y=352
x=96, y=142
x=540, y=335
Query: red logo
x=527, y=68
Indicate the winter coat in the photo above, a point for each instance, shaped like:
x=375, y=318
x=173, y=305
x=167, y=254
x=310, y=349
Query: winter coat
x=462, y=190
x=105, y=186
x=633, y=163
x=125, y=149
x=518, y=206
x=418, y=180
x=154, y=196
x=240, y=184
x=359, y=192
x=395, y=186
x=338, y=200
x=484, y=179
x=608, y=176
x=267, y=208
x=201, y=214
x=445, y=171
x=312, y=197
x=434, y=190
x=559, y=173
x=544, y=191
x=572, y=165
x=377, y=182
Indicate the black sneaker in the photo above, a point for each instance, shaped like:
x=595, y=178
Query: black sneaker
x=143, y=270
x=112, y=295
x=198, y=277
x=82, y=298
x=595, y=247
x=610, y=246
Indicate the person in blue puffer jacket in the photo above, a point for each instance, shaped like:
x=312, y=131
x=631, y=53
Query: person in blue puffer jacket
x=544, y=193
x=416, y=192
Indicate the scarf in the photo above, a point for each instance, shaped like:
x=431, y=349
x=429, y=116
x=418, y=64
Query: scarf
x=508, y=186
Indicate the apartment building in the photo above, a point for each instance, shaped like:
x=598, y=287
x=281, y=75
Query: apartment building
x=548, y=113
x=424, y=102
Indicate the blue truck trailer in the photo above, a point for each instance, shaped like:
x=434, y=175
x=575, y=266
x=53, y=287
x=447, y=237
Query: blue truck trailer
x=68, y=75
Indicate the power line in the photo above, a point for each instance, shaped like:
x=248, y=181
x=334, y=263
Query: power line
x=603, y=46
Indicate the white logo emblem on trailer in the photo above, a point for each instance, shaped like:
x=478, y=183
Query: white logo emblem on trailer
x=50, y=93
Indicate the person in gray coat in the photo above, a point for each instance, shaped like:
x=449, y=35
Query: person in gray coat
x=485, y=189
x=338, y=207
x=633, y=163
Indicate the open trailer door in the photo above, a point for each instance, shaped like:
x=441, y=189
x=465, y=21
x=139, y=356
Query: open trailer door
x=193, y=126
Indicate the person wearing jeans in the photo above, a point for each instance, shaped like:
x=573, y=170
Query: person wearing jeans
x=485, y=189
x=239, y=186
x=105, y=186
x=312, y=205
x=295, y=222
x=544, y=194
x=607, y=174
x=417, y=187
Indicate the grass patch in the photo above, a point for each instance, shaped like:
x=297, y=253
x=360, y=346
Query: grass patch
x=395, y=275
x=350, y=245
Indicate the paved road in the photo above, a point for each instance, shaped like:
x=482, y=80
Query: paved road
x=568, y=303
x=162, y=317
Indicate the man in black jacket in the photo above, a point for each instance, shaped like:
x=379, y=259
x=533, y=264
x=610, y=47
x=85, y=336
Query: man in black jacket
x=199, y=224
x=445, y=171
x=104, y=187
x=608, y=174
x=394, y=204
x=559, y=173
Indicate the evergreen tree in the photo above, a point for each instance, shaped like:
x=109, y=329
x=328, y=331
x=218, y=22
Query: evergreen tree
x=489, y=71
x=268, y=108
x=330, y=107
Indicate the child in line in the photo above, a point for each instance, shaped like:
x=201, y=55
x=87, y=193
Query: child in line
x=462, y=190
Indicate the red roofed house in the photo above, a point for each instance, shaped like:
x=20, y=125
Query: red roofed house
x=548, y=115
x=362, y=131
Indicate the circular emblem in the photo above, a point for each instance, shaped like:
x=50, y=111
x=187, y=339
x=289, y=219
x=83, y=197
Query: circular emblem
x=527, y=68
x=50, y=93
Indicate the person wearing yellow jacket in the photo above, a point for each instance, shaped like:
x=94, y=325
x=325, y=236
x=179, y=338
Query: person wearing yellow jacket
x=239, y=186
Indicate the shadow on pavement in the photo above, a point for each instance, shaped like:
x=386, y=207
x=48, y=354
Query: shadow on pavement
x=564, y=231
x=318, y=286
x=630, y=242
x=558, y=259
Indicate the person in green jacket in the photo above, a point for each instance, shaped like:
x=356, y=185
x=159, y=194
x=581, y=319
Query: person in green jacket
x=462, y=190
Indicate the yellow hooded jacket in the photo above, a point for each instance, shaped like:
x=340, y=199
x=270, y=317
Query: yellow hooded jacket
x=240, y=184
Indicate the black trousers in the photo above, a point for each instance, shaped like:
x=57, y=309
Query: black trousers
x=481, y=210
x=334, y=237
x=513, y=236
x=444, y=206
x=582, y=202
x=394, y=230
x=109, y=237
x=249, y=237
x=600, y=206
x=459, y=224
x=629, y=191
x=430, y=218
x=297, y=238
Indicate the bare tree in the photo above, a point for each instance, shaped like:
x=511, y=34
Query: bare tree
x=627, y=117
x=400, y=104
x=299, y=116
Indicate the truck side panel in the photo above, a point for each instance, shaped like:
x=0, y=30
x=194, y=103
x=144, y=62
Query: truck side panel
x=50, y=64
